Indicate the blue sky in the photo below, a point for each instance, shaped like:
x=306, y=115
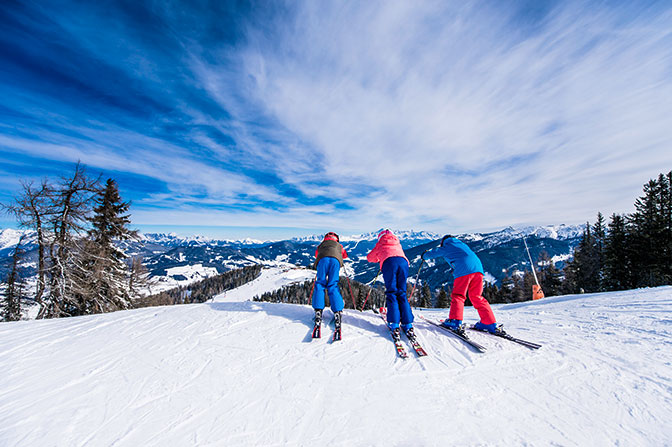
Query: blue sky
x=272, y=119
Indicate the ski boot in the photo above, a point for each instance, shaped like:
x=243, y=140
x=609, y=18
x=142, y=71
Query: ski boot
x=408, y=330
x=454, y=325
x=396, y=332
x=492, y=328
x=318, y=316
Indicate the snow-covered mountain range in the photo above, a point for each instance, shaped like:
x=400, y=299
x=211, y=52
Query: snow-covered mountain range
x=240, y=373
x=168, y=256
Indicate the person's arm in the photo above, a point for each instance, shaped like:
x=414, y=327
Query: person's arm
x=431, y=253
x=344, y=254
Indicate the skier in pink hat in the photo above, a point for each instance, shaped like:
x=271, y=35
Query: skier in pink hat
x=394, y=265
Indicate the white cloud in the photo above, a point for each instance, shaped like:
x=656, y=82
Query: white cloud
x=550, y=126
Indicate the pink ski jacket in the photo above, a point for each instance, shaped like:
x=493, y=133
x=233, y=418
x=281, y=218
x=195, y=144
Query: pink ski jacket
x=388, y=246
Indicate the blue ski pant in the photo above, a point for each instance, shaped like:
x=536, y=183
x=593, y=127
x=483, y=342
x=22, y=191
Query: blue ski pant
x=395, y=272
x=327, y=279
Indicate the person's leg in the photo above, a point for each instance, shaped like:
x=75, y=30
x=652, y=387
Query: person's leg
x=320, y=284
x=477, y=300
x=390, y=278
x=458, y=296
x=402, y=301
x=335, y=297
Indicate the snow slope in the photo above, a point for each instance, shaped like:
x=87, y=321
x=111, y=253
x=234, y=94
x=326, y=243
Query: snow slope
x=239, y=373
x=269, y=280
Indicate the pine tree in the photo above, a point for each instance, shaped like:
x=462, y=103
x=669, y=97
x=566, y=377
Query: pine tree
x=527, y=283
x=582, y=272
x=425, y=296
x=550, y=278
x=442, y=300
x=665, y=239
x=599, y=235
x=506, y=291
x=492, y=293
x=520, y=291
x=15, y=286
x=650, y=227
x=666, y=227
x=618, y=256
x=101, y=280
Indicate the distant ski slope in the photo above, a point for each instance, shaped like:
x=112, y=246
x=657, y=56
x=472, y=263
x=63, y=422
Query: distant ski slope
x=239, y=373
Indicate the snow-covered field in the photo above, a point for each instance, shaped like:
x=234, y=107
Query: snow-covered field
x=179, y=276
x=238, y=373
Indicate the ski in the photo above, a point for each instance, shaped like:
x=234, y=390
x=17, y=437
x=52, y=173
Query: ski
x=504, y=335
x=317, y=330
x=397, y=343
x=460, y=335
x=416, y=345
x=396, y=338
x=337, y=335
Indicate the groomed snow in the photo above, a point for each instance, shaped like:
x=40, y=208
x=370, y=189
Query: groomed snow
x=239, y=373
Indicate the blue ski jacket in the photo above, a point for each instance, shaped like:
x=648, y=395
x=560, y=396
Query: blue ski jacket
x=459, y=255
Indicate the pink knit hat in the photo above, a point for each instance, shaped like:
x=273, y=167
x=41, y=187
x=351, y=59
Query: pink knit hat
x=384, y=232
x=331, y=236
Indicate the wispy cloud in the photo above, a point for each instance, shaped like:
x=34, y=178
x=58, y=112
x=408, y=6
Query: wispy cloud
x=353, y=115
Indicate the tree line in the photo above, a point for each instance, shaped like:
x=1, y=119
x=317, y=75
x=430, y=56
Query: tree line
x=203, y=290
x=76, y=220
x=631, y=250
x=352, y=291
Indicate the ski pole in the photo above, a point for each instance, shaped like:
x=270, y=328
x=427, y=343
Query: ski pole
x=370, y=288
x=354, y=306
x=310, y=298
x=422, y=256
x=416, y=280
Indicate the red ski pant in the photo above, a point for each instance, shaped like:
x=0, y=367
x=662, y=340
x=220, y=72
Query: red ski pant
x=472, y=284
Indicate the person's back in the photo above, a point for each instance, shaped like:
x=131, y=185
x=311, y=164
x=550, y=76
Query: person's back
x=330, y=248
x=468, y=276
x=388, y=246
x=460, y=256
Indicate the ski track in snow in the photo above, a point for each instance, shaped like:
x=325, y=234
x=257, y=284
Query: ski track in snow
x=235, y=372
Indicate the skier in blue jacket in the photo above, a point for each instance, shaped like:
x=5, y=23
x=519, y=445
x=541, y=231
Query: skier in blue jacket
x=468, y=273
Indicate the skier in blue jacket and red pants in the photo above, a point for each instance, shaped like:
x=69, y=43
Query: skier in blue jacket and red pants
x=468, y=273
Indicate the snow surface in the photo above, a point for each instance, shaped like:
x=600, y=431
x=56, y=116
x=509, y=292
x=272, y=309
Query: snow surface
x=269, y=280
x=178, y=276
x=193, y=272
x=238, y=373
